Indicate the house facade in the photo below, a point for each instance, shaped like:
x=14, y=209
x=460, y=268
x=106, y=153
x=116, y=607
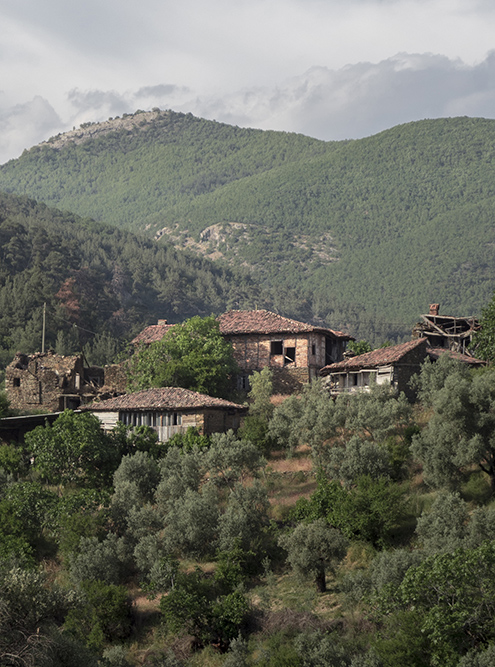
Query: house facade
x=169, y=410
x=54, y=382
x=48, y=381
x=295, y=351
x=394, y=365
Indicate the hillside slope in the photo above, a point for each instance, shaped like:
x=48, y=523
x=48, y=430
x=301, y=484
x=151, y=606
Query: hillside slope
x=96, y=279
x=374, y=228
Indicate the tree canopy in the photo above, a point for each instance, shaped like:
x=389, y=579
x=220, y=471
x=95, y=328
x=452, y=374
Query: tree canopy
x=193, y=355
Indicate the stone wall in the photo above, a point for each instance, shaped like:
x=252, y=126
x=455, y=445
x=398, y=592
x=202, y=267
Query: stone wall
x=47, y=381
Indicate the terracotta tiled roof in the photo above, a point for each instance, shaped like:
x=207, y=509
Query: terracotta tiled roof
x=167, y=398
x=265, y=322
x=381, y=357
x=151, y=334
x=435, y=352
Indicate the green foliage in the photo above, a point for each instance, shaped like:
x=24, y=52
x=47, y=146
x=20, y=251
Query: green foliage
x=230, y=460
x=195, y=605
x=95, y=278
x=388, y=200
x=104, y=614
x=370, y=511
x=191, y=523
x=483, y=658
x=12, y=460
x=256, y=424
x=359, y=346
x=106, y=560
x=403, y=642
x=317, y=649
x=188, y=440
x=245, y=518
x=483, y=345
x=128, y=440
x=140, y=469
x=73, y=449
x=460, y=432
x=444, y=527
x=4, y=404
x=452, y=597
x=313, y=549
x=433, y=376
x=31, y=610
x=24, y=514
x=355, y=459
x=193, y=355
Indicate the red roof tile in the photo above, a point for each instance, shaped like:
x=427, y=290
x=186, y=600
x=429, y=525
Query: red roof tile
x=167, y=398
x=265, y=322
x=435, y=352
x=151, y=334
x=381, y=357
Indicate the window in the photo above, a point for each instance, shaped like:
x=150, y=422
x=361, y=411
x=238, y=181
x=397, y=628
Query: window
x=276, y=347
x=290, y=355
x=243, y=382
x=313, y=349
x=16, y=382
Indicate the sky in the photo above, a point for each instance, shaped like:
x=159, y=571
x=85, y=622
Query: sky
x=331, y=69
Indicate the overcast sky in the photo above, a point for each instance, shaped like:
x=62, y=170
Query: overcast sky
x=331, y=69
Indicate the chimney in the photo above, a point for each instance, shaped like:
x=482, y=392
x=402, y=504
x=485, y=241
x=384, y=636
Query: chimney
x=434, y=308
x=162, y=322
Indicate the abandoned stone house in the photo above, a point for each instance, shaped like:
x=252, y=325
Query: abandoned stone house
x=169, y=410
x=447, y=332
x=52, y=382
x=394, y=365
x=295, y=351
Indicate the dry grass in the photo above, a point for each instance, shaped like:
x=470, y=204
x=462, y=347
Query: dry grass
x=288, y=480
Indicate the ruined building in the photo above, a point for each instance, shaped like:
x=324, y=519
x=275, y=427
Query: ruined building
x=52, y=382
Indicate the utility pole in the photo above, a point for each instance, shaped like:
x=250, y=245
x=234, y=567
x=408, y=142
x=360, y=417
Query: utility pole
x=44, y=326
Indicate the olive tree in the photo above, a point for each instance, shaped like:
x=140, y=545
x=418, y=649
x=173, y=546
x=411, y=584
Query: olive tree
x=461, y=431
x=313, y=549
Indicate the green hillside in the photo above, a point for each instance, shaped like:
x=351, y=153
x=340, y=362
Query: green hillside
x=98, y=281
x=361, y=231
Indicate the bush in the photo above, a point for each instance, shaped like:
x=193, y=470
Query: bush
x=105, y=614
x=106, y=561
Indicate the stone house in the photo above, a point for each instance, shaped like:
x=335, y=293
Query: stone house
x=49, y=381
x=53, y=382
x=446, y=332
x=394, y=365
x=295, y=351
x=169, y=410
x=152, y=333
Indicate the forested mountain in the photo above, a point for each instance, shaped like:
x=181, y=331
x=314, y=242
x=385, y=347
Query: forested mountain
x=97, y=279
x=363, y=231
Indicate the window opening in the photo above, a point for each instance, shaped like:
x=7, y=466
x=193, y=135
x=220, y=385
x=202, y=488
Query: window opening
x=276, y=347
x=290, y=355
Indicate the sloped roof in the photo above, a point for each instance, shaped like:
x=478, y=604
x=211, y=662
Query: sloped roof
x=266, y=322
x=381, y=357
x=436, y=352
x=151, y=334
x=166, y=398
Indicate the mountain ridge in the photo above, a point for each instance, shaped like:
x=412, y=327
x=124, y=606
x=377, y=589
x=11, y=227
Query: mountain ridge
x=379, y=226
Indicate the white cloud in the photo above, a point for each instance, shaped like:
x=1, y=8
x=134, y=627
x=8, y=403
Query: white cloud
x=22, y=125
x=241, y=61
